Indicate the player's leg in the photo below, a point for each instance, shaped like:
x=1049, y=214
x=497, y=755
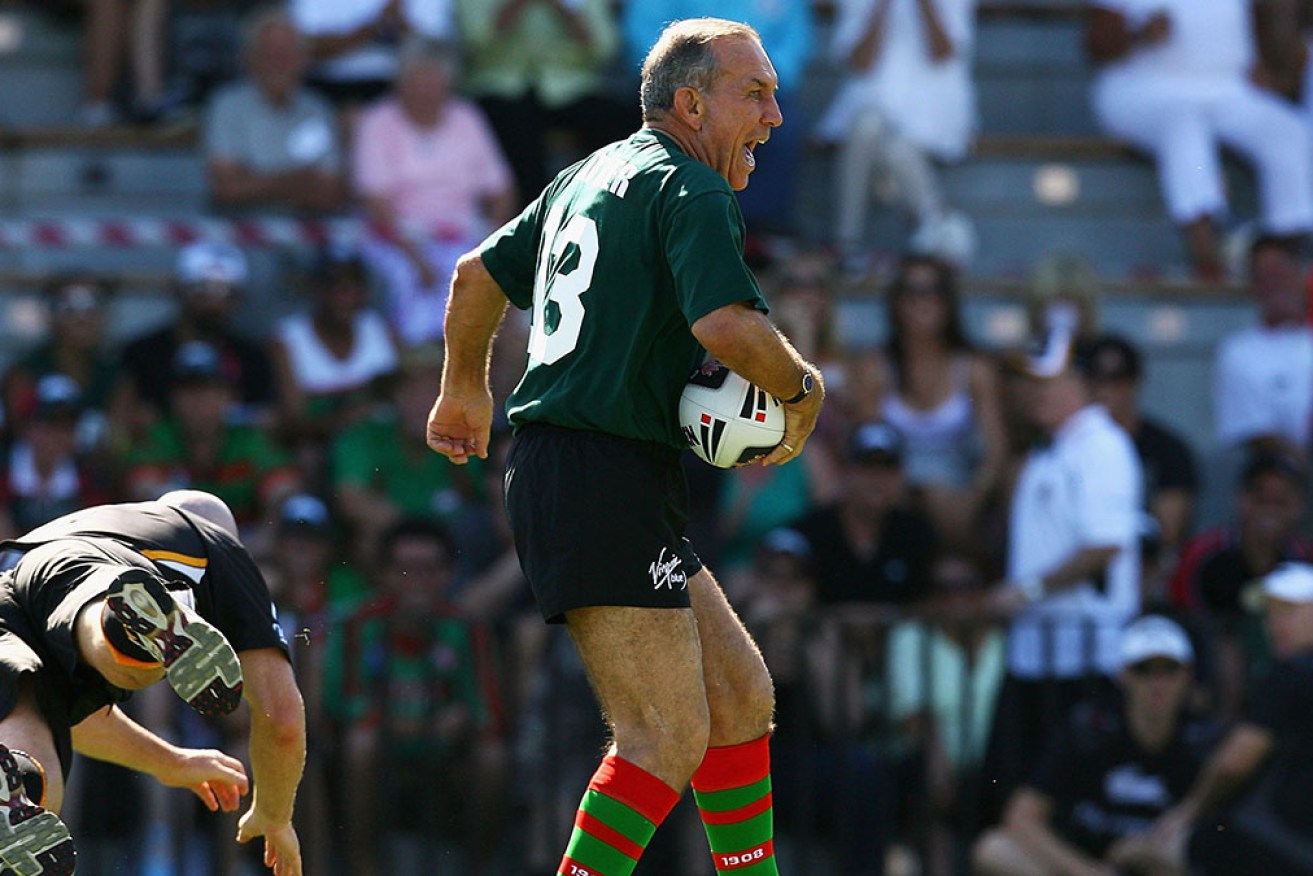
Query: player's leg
x=33, y=839
x=732, y=785
x=645, y=666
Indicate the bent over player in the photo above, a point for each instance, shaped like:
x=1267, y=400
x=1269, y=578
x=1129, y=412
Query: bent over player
x=109, y=600
x=632, y=261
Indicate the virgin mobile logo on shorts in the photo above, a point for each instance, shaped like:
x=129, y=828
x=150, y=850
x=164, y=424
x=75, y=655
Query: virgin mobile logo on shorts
x=665, y=572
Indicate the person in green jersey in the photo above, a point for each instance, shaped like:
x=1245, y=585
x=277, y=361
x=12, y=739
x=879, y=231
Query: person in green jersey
x=632, y=263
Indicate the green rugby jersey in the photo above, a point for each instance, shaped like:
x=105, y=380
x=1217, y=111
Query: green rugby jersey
x=620, y=254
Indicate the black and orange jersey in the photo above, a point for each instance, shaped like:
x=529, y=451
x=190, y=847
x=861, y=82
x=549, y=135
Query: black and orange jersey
x=204, y=566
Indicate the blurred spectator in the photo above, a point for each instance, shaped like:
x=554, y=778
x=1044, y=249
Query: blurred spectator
x=270, y=143
x=1175, y=81
x=1216, y=566
x=423, y=754
x=382, y=470
x=312, y=582
x=537, y=66
x=198, y=446
x=354, y=43
x=115, y=29
x=209, y=281
x=769, y=203
x=902, y=56
x=1264, y=766
x=940, y=394
x=75, y=347
x=803, y=296
x=1108, y=772
x=488, y=587
x=1073, y=564
x=556, y=747
x=313, y=589
x=944, y=673
x=433, y=181
x=1263, y=376
x=42, y=475
x=1171, y=481
x=327, y=360
x=819, y=712
x=868, y=546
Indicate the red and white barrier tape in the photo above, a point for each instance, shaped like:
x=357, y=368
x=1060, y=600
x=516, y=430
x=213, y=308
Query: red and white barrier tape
x=136, y=232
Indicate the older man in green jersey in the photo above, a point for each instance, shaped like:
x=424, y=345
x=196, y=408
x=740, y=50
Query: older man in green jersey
x=632, y=261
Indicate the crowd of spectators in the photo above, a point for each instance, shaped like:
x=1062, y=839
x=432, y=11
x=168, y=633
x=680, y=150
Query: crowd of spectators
x=949, y=585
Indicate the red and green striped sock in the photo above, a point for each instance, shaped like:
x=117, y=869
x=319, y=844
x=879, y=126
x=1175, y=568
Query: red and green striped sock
x=732, y=789
x=620, y=811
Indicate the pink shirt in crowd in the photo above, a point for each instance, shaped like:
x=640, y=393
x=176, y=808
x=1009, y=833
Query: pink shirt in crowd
x=434, y=177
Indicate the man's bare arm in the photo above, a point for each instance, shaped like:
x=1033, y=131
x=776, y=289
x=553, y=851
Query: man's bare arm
x=460, y=424
x=745, y=340
x=110, y=735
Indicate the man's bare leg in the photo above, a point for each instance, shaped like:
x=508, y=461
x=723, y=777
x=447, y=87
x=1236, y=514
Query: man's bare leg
x=24, y=729
x=645, y=666
x=732, y=785
x=740, y=695
x=33, y=841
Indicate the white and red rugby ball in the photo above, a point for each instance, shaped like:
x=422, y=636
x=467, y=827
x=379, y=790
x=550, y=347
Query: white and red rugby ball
x=727, y=420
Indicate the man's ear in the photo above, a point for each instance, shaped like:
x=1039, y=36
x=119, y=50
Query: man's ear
x=689, y=106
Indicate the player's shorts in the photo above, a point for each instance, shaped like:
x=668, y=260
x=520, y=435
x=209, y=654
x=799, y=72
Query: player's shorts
x=598, y=520
x=40, y=598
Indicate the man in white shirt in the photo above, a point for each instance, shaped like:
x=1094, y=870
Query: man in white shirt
x=1263, y=378
x=1073, y=567
x=1174, y=78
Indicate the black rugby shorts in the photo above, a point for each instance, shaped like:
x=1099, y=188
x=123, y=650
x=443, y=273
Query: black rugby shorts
x=598, y=520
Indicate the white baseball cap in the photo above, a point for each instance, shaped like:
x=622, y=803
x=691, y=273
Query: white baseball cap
x=211, y=262
x=1289, y=582
x=1155, y=636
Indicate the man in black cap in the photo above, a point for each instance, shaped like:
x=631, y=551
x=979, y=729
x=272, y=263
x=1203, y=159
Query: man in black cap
x=1171, y=482
x=109, y=600
x=869, y=546
x=202, y=445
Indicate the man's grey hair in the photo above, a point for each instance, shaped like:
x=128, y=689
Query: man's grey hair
x=683, y=57
x=419, y=50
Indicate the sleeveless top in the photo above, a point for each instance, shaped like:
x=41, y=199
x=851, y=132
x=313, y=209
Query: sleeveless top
x=318, y=371
x=940, y=445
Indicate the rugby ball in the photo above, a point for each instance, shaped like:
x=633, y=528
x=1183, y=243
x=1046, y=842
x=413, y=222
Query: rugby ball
x=727, y=420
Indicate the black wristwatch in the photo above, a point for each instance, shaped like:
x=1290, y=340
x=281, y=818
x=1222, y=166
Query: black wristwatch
x=804, y=392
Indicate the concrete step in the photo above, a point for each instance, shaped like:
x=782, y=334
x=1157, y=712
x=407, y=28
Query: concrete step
x=41, y=176
x=1050, y=44
x=34, y=94
x=1092, y=186
x=1010, y=245
x=1024, y=102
